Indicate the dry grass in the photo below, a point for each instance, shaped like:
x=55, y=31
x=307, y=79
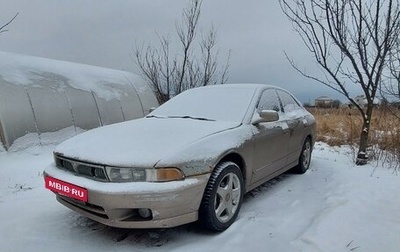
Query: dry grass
x=343, y=127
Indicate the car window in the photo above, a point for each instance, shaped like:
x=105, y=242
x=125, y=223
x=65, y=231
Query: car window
x=269, y=101
x=288, y=103
x=218, y=103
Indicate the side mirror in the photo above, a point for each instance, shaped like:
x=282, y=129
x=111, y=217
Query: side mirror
x=265, y=116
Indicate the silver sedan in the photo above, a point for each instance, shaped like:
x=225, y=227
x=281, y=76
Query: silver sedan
x=191, y=159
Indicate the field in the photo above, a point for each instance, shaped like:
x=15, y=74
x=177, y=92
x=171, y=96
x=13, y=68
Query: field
x=343, y=127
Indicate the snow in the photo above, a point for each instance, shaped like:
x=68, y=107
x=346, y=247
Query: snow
x=131, y=187
x=47, y=138
x=228, y=102
x=335, y=206
x=27, y=70
x=126, y=144
x=299, y=112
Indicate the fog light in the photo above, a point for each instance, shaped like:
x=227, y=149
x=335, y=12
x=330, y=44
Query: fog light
x=145, y=213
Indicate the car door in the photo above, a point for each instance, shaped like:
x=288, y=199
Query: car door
x=270, y=139
x=294, y=116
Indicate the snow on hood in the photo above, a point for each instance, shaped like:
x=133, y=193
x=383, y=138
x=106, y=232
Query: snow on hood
x=139, y=143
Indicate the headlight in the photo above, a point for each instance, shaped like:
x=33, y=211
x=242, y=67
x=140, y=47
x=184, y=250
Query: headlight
x=117, y=174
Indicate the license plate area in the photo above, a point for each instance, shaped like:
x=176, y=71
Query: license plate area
x=66, y=189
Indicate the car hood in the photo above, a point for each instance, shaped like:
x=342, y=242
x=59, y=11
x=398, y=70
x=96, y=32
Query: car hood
x=139, y=143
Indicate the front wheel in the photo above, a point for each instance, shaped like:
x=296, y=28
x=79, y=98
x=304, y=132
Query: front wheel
x=305, y=158
x=222, y=198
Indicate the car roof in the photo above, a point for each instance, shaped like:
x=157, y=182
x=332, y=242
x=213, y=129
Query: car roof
x=254, y=86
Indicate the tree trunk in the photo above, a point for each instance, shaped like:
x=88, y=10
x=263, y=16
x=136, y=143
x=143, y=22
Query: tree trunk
x=362, y=156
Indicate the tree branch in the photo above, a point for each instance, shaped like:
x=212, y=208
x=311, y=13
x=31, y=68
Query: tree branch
x=8, y=23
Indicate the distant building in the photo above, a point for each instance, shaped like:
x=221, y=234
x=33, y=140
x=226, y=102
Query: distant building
x=324, y=102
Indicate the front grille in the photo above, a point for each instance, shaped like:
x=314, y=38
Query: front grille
x=79, y=168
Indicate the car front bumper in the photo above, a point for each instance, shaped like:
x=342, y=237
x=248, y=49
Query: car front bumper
x=117, y=204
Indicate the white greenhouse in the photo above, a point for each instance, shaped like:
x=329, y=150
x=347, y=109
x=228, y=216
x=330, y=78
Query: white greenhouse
x=39, y=95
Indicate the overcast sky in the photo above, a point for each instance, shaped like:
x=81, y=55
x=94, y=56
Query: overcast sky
x=104, y=33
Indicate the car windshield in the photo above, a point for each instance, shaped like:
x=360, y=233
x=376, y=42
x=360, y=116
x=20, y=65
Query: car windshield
x=210, y=103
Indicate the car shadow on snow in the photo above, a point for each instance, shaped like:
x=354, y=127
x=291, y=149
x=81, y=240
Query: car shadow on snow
x=160, y=237
x=268, y=186
x=136, y=237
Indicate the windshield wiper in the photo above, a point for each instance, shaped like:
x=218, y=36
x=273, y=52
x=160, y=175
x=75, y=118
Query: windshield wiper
x=183, y=117
x=156, y=116
x=192, y=117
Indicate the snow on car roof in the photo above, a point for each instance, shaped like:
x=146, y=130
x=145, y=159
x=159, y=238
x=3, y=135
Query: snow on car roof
x=240, y=85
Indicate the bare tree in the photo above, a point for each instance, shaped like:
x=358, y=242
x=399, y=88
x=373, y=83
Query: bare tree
x=351, y=41
x=392, y=88
x=171, y=73
x=3, y=27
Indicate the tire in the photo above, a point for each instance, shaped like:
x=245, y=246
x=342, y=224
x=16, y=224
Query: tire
x=305, y=157
x=222, y=197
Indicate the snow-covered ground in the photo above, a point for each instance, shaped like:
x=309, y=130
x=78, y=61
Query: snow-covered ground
x=335, y=206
